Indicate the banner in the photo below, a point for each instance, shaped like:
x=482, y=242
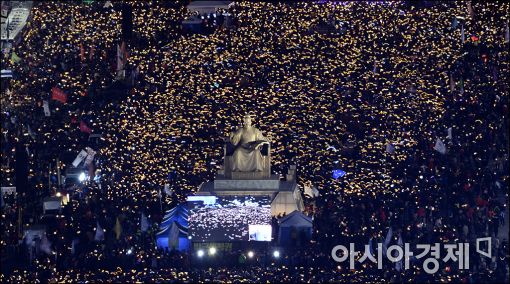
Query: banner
x=81, y=156
x=390, y=148
x=46, y=107
x=58, y=95
x=462, y=35
x=90, y=155
x=82, y=52
x=117, y=229
x=440, y=147
x=15, y=58
x=452, y=83
x=85, y=128
x=6, y=73
x=121, y=56
x=8, y=189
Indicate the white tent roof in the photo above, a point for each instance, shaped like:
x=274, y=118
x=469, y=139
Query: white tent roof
x=296, y=219
x=285, y=202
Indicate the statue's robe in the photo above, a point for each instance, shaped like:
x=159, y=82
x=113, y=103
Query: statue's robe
x=246, y=157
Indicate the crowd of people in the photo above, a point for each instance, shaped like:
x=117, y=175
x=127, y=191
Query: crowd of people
x=411, y=103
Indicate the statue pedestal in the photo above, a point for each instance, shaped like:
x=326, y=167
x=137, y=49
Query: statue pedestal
x=285, y=195
x=272, y=183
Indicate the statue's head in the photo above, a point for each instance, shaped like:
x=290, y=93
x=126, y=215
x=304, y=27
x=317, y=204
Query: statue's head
x=247, y=120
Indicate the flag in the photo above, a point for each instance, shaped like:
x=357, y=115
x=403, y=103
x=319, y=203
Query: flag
x=471, y=12
x=390, y=148
x=338, y=174
x=462, y=85
x=108, y=4
x=507, y=34
x=440, y=147
x=58, y=95
x=30, y=132
x=125, y=53
x=119, y=58
x=144, y=223
x=84, y=128
x=122, y=56
x=168, y=191
x=308, y=190
x=450, y=136
x=15, y=58
x=173, y=236
x=462, y=35
x=117, y=229
x=81, y=156
x=99, y=233
x=45, y=245
x=46, y=108
x=387, y=240
x=455, y=22
x=82, y=52
x=74, y=243
x=92, y=52
x=452, y=83
x=92, y=170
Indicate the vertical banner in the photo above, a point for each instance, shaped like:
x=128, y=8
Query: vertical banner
x=46, y=107
x=81, y=156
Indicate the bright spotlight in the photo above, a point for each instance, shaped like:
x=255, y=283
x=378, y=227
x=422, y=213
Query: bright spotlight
x=81, y=178
x=212, y=250
x=276, y=254
x=130, y=251
x=200, y=253
x=250, y=254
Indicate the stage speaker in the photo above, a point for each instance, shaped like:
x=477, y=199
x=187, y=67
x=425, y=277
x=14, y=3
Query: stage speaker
x=127, y=22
